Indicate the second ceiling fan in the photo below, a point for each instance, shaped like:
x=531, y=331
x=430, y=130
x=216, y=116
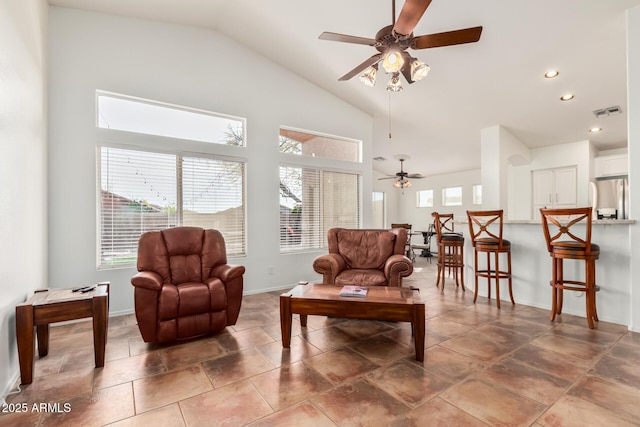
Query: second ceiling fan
x=392, y=43
x=402, y=177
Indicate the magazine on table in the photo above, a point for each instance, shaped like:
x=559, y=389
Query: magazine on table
x=353, y=291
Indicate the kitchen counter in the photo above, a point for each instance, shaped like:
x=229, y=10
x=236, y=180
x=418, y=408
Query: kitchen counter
x=531, y=268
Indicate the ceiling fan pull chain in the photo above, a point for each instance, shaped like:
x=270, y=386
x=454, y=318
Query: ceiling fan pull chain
x=389, y=115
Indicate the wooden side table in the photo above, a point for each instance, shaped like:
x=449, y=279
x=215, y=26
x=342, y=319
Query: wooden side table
x=58, y=305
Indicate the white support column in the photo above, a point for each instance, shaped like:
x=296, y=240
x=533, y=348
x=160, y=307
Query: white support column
x=633, y=146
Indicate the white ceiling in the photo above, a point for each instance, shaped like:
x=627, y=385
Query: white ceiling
x=437, y=121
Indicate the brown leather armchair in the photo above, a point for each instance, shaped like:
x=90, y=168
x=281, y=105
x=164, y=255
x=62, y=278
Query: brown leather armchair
x=364, y=258
x=185, y=287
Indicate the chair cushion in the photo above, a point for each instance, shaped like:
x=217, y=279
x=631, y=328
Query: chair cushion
x=452, y=237
x=488, y=242
x=361, y=277
x=572, y=245
x=362, y=249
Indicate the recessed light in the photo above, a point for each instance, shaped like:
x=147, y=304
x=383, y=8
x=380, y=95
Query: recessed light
x=567, y=97
x=551, y=74
x=594, y=130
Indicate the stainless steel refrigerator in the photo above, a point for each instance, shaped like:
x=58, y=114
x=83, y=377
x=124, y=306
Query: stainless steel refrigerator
x=610, y=198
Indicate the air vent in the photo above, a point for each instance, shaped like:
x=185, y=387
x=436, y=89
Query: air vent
x=379, y=159
x=609, y=111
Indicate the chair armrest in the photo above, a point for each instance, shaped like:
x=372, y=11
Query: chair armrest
x=226, y=272
x=148, y=280
x=329, y=265
x=397, y=267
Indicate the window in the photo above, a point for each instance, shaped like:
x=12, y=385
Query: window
x=314, y=145
x=477, y=194
x=452, y=196
x=378, y=210
x=424, y=198
x=311, y=202
x=142, y=191
x=120, y=112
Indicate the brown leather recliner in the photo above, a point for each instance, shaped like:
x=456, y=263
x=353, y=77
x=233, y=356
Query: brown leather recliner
x=185, y=287
x=364, y=258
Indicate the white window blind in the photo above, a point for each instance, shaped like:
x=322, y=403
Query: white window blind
x=311, y=202
x=142, y=191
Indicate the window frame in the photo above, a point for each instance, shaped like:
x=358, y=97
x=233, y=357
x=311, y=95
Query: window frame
x=179, y=154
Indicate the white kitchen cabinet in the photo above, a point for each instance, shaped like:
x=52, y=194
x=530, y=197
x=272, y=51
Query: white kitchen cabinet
x=554, y=188
x=613, y=165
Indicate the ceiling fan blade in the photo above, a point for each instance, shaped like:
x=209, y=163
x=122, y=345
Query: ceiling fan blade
x=389, y=177
x=406, y=68
x=449, y=38
x=360, y=68
x=415, y=176
x=411, y=12
x=344, y=38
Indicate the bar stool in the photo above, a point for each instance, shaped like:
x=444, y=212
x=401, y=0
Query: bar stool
x=485, y=228
x=450, y=249
x=408, y=249
x=569, y=243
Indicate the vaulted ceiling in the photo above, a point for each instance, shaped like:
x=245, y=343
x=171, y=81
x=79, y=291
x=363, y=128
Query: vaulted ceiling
x=437, y=121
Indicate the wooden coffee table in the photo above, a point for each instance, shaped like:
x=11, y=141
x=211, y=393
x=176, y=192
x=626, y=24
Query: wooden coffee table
x=58, y=305
x=381, y=303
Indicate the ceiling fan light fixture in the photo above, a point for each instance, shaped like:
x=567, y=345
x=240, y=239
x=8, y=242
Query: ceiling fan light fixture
x=369, y=75
x=419, y=70
x=394, y=85
x=402, y=183
x=392, y=62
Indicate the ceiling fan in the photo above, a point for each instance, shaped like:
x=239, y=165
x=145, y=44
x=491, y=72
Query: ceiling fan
x=402, y=177
x=392, y=42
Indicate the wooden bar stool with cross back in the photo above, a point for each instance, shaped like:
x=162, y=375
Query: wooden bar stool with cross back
x=450, y=249
x=571, y=242
x=485, y=228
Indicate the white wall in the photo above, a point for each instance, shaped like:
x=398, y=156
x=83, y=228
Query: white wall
x=23, y=150
x=183, y=66
x=420, y=218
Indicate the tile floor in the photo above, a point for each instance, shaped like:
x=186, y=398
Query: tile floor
x=483, y=366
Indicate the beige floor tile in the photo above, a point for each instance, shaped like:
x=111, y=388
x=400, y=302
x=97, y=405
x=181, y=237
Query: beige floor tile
x=381, y=349
x=451, y=365
x=160, y=390
x=299, y=349
x=437, y=412
x=232, y=405
x=408, y=382
x=98, y=408
x=561, y=365
x=493, y=404
x=131, y=368
x=303, y=414
x=340, y=365
x=236, y=367
x=570, y=411
x=290, y=384
x=167, y=416
x=359, y=403
x=619, y=398
x=525, y=381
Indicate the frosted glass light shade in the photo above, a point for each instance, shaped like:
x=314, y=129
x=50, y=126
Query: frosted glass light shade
x=392, y=62
x=368, y=77
x=419, y=70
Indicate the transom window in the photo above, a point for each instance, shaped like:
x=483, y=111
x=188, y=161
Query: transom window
x=317, y=145
x=126, y=113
